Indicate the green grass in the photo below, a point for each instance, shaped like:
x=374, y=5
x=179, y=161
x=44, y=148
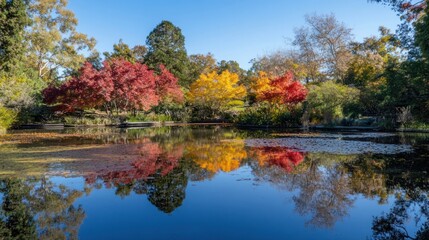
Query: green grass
x=149, y=118
x=417, y=125
x=88, y=121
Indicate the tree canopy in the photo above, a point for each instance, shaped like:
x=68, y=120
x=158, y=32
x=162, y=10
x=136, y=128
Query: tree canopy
x=166, y=46
x=13, y=20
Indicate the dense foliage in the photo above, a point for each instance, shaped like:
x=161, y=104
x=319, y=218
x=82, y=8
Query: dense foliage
x=166, y=45
x=216, y=93
x=119, y=86
x=276, y=102
x=13, y=20
x=326, y=101
x=7, y=117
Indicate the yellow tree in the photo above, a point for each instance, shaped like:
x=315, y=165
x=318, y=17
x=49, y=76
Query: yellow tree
x=261, y=85
x=217, y=92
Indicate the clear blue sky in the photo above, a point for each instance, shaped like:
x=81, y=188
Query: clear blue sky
x=230, y=29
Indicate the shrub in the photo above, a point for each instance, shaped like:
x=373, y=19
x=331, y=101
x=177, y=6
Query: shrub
x=327, y=101
x=149, y=117
x=89, y=120
x=7, y=118
x=270, y=115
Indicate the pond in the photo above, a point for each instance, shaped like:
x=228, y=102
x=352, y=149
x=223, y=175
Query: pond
x=201, y=182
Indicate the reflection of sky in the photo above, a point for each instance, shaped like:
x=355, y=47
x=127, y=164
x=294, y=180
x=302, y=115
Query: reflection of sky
x=75, y=183
x=229, y=206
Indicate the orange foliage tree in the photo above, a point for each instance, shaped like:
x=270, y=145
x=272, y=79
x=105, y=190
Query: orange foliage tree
x=282, y=90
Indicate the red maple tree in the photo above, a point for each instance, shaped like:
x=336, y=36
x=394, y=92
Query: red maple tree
x=167, y=86
x=285, y=90
x=119, y=86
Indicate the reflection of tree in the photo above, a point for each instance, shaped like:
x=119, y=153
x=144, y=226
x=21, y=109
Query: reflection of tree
x=38, y=209
x=164, y=190
x=57, y=218
x=16, y=216
x=324, y=192
x=328, y=182
x=283, y=157
x=218, y=156
x=157, y=173
x=168, y=192
x=154, y=159
x=393, y=225
x=327, y=200
x=367, y=177
x=160, y=172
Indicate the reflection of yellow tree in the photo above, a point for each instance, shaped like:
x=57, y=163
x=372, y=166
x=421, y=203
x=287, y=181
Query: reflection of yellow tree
x=223, y=156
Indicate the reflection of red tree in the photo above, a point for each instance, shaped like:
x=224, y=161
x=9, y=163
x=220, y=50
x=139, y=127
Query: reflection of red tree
x=278, y=156
x=157, y=160
x=154, y=160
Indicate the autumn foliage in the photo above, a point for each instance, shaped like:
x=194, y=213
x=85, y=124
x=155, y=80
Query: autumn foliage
x=119, y=86
x=224, y=156
x=155, y=160
x=284, y=158
x=217, y=91
x=283, y=90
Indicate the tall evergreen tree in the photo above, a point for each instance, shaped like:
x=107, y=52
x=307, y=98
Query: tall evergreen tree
x=13, y=20
x=166, y=45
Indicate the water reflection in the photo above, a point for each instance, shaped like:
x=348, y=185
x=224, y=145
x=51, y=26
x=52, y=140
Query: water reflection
x=282, y=157
x=324, y=192
x=36, y=209
x=408, y=218
x=223, y=156
x=160, y=163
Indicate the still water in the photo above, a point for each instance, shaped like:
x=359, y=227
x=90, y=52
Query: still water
x=213, y=183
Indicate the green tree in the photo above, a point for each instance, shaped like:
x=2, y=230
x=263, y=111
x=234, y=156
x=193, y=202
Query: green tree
x=407, y=81
x=327, y=100
x=18, y=91
x=166, y=45
x=123, y=50
x=234, y=67
x=13, y=20
x=422, y=33
x=7, y=117
x=407, y=85
x=55, y=46
x=139, y=52
x=366, y=69
x=201, y=64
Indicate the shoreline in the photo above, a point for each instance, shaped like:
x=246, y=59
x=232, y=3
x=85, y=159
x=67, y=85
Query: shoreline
x=126, y=125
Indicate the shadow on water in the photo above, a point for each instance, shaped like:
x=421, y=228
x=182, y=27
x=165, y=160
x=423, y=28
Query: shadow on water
x=159, y=163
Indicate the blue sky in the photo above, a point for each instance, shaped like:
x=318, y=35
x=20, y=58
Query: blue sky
x=230, y=29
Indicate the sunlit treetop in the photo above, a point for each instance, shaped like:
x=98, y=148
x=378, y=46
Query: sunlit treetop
x=218, y=91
